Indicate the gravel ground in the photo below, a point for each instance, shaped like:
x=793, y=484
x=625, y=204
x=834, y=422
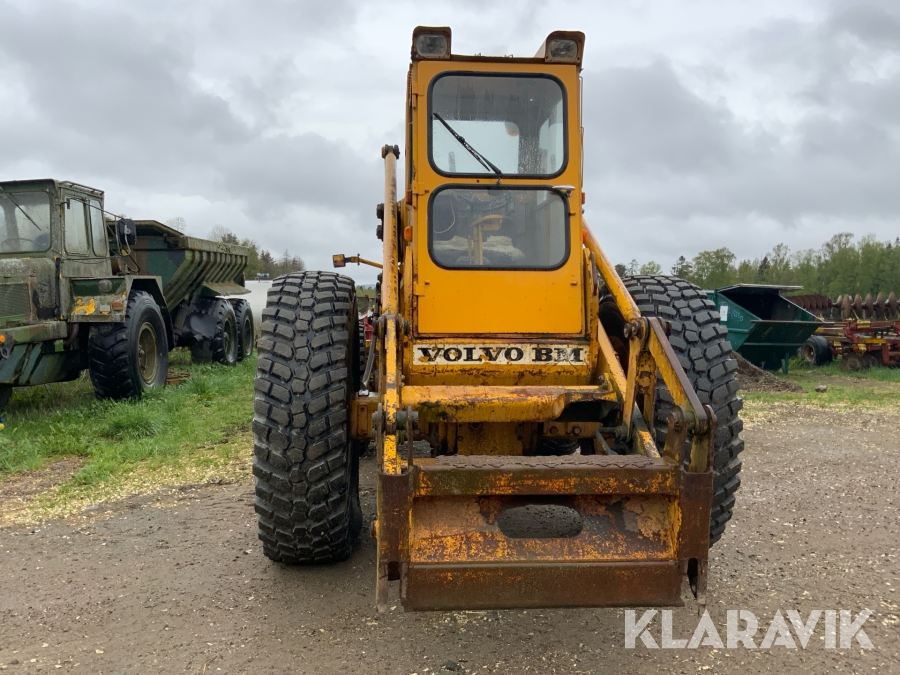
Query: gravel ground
x=176, y=583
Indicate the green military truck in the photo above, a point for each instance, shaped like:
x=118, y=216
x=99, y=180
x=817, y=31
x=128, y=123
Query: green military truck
x=80, y=290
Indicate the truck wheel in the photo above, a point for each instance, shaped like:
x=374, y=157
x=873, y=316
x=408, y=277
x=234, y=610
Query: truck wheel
x=126, y=359
x=816, y=351
x=5, y=394
x=304, y=463
x=223, y=347
x=704, y=352
x=245, y=330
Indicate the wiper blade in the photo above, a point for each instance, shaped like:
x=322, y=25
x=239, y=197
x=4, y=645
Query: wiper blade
x=18, y=206
x=484, y=161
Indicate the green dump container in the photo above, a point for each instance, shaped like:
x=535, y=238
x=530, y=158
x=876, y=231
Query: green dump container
x=763, y=327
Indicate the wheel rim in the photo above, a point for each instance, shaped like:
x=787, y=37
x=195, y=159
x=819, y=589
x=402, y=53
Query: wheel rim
x=148, y=354
x=808, y=353
x=247, y=336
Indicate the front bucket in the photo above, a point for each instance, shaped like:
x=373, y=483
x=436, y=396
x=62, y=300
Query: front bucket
x=580, y=531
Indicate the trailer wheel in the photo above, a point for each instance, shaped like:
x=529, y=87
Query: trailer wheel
x=851, y=362
x=245, y=329
x=816, y=351
x=126, y=359
x=306, y=468
x=704, y=352
x=5, y=394
x=223, y=347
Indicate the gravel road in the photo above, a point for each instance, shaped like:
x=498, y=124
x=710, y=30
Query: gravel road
x=176, y=582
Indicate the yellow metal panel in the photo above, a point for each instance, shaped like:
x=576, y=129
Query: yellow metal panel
x=497, y=404
x=459, y=302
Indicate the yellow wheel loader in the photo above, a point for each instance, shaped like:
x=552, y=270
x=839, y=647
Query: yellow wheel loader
x=547, y=434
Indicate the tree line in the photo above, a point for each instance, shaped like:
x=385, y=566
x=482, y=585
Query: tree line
x=259, y=260
x=841, y=265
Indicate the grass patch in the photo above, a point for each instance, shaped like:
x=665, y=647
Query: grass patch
x=198, y=419
x=874, y=389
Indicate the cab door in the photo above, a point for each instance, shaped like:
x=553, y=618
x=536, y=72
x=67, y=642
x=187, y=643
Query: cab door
x=85, y=248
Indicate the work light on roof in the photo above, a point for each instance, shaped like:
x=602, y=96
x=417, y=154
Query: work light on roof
x=562, y=50
x=430, y=46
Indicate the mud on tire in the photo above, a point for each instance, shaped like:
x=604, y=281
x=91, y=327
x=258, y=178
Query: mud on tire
x=223, y=346
x=704, y=352
x=126, y=359
x=305, y=466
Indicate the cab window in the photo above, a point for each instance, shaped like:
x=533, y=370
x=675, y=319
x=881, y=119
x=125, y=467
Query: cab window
x=498, y=228
x=98, y=229
x=76, y=226
x=512, y=125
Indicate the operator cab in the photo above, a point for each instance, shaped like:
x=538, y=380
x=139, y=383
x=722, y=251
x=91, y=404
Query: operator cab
x=494, y=191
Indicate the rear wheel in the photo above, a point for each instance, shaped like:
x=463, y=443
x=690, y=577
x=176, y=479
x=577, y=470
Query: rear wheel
x=245, y=330
x=704, y=352
x=305, y=466
x=223, y=346
x=126, y=359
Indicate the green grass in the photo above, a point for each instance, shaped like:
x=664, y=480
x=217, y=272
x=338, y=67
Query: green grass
x=875, y=388
x=50, y=422
x=801, y=373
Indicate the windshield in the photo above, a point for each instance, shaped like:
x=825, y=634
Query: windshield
x=25, y=224
x=498, y=228
x=515, y=122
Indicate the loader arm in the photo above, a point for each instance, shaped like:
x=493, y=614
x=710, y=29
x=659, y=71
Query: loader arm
x=439, y=520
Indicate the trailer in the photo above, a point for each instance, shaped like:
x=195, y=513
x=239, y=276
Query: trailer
x=764, y=327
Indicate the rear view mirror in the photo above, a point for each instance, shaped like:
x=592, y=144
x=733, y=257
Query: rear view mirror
x=126, y=235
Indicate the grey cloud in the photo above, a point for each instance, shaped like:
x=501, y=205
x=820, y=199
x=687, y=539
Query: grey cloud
x=655, y=149
x=106, y=97
x=876, y=22
x=643, y=120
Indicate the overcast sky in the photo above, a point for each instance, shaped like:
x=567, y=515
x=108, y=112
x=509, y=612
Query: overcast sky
x=708, y=123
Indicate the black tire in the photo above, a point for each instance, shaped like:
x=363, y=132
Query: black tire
x=704, y=352
x=127, y=359
x=305, y=466
x=6, y=391
x=243, y=316
x=223, y=347
x=816, y=351
x=556, y=447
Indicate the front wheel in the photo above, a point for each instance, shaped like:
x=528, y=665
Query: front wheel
x=126, y=359
x=305, y=465
x=701, y=344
